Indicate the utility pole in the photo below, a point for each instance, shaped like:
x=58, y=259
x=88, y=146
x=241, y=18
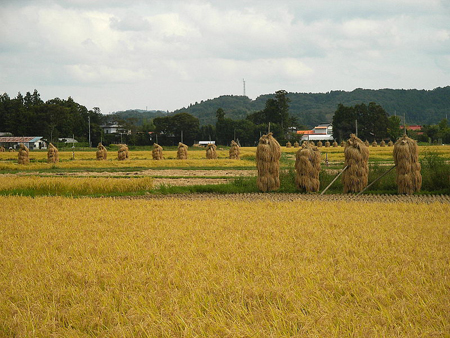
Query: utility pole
x=356, y=127
x=89, y=121
x=181, y=136
x=73, y=146
x=243, y=80
x=404, y=123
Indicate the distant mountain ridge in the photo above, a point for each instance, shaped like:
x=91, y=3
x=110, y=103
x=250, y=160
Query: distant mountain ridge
x=419, y=106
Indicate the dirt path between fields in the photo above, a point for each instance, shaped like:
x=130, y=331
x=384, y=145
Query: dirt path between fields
x=181, y=177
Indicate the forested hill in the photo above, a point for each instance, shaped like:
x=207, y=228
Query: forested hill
x=138, y=115
x=420, y=106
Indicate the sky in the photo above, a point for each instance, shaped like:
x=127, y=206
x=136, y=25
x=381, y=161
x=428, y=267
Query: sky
x=168, y=54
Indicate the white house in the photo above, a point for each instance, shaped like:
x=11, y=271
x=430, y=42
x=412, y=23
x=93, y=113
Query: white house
x=322, y=132
x=114, y=128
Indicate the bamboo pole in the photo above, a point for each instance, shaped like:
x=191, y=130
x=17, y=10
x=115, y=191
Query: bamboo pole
x=376, y=180
x=337, y=176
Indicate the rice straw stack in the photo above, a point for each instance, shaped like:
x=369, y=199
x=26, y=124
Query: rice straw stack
x=122, y=153
x=23, y=157
x=355, y=177
x=101, y=153
x=234, y=151
x=406, y=158
x=182, y=153
x=157, y=152
x=211, y=153
x=268, y=154
x=307, y=167
x=52, y=154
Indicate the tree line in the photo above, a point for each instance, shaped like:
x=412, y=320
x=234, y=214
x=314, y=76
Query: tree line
x=29, y=115
x=371, y=122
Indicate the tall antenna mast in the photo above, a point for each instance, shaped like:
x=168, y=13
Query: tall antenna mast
x=243, y=81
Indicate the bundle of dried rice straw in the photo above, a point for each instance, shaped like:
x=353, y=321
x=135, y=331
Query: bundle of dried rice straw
x=22, y=157
x=52, y=154
x=122, y=153
x=157, y=152
x=406, y=158
x=211, y=153
x=335, y=144
x=356, y=154
x=101, y=153
x=234, y=151
x=327, y=144
x=268, y=154
x=382, y=143
x=296, y=144
x=182, y=153
x=288, y=144
x=307, y=167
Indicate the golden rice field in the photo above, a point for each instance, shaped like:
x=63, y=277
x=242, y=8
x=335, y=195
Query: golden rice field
x=223, y=267
x=74, y=185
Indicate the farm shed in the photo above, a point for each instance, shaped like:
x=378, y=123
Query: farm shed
x=31, y=142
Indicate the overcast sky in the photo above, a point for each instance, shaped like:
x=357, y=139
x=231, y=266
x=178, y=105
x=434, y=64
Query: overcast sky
x=167, y=54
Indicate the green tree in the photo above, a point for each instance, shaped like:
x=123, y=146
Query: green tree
x=171, y=128
x=394, y=130
x=372, y=121
x=343, y=122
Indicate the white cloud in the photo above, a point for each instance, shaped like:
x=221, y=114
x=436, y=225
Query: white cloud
x=198, y=48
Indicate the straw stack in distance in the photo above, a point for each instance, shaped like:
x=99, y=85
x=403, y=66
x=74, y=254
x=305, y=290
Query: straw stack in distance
x=288, y=144
x=356, y=155
x=182, y=153
x=52, y=154
x=122, y=153
x=406, y=159
x=211, y=153
x=234, y=151
x=22, y=157
x=157, y=152
x=296, y=144
x=307, y=167
x=268, y=154
x=101, y=153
